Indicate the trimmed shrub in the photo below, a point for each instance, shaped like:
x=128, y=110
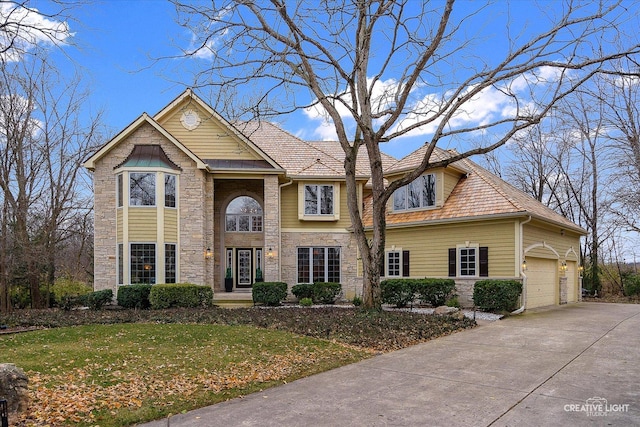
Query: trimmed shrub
x=269, y=293
x=134, y=296
x=631, y=284
x=497, y=295
x=68, y=292
x=185, y=295
x=326, y=292
x=434, y=291
x=303, y=290
x=398, y=292
x=306, y=302
x=98, y=299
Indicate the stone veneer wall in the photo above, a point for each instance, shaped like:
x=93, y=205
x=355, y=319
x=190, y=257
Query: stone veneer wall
x=225, y=191
x=351, y=284
x=191, y=220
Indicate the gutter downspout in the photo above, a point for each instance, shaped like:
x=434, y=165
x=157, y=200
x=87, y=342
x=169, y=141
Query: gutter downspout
x=280, y=227
x=522, y=274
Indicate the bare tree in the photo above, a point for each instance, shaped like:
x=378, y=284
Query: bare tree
x=43, y=141
x=386, y=69
x=23, y=27
x=621, y=96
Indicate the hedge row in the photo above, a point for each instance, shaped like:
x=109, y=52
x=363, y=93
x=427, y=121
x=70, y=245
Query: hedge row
x=497, y=295
x=165, y=296
x=319, y=292
x=402, y=292
x=269, y=293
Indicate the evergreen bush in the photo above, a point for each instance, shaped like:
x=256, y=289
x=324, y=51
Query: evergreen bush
x=134, y=296
x=434, y=291
x=497, y=295
x=98, y=299
x=185, y=295
x=398, y=292
x=269, y=293
x=326, y=292
x=302, y=290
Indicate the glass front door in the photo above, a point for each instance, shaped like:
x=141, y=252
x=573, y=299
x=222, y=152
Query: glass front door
x=244, y=268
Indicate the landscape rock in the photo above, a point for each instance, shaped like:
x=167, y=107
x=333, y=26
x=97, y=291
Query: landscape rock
x=443, y=310
x=13, y=387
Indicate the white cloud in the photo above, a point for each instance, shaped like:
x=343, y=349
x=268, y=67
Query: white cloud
x=23, y=29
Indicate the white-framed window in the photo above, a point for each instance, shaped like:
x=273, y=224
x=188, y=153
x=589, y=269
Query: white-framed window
x=318, y=264
x=142, y=189
x=119, y=190
x=418, y=194
x=120, y=264
x=170, y=264
x=318, y=199
x=394, y=264
x=243, y=214
x=468, y=261
x=169, y=191
x=142, y=266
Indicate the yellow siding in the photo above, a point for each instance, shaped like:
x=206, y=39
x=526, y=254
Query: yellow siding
x=535, y=233
x=142, y=225
x=170, y=225
x=119, y=225
x=289, y=206
x=449, y=182
x=428, y=246
x=210, y=140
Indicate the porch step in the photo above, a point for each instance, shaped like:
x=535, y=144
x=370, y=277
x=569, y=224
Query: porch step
x=232, y=299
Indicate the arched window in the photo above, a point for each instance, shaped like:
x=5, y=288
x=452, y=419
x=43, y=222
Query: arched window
x=244, y=214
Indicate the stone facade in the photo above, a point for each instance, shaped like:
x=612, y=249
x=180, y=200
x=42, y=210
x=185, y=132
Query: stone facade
x=351, y=283
x=191, y=204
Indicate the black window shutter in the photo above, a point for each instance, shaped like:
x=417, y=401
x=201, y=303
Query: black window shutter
x=484, y=261
x=405, y=263
x=452, y=262
x=382, y=265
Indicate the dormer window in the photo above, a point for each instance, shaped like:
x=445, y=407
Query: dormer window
x=420, y=193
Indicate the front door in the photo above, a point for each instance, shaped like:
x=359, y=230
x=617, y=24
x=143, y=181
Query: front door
x=244, y=268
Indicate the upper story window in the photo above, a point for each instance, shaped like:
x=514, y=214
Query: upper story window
x=420, y=193
x=119, y=190
x=318, y=199
x=244, y=214
x=142, y=189
x=169, y=191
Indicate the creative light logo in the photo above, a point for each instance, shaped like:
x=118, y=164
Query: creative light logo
x=596, y=407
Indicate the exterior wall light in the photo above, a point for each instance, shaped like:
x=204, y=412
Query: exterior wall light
x=524, y=264
x=208, y=254
x=270, y=253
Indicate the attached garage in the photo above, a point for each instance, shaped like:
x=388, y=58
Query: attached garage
x=542, y=282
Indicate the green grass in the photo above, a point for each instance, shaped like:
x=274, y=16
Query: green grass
x=120, y=374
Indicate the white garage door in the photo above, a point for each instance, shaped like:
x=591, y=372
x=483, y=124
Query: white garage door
x=572, y=282
x=542, y=282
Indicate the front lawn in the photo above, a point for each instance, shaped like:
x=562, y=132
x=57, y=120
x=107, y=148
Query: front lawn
x=119, y=367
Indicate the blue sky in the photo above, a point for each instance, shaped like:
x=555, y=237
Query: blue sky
x=116, y=41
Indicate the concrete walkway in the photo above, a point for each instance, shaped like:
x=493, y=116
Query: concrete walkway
x=541, y=368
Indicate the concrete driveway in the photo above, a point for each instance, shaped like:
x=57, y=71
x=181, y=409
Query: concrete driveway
x=567, y=366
